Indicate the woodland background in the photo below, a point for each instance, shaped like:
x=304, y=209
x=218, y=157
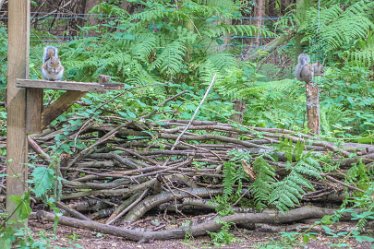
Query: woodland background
x=166, y=53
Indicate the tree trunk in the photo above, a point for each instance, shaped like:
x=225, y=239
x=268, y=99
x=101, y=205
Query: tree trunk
x=271, y=8
x=259, y=19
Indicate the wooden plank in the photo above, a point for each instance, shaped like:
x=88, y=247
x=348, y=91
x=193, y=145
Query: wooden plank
x=34, y=108
x=18, y=61
x=60, y=106
x=61, y=85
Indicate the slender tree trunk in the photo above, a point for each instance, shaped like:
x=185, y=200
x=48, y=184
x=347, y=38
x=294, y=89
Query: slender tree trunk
x=271, y=8
x=259, y=21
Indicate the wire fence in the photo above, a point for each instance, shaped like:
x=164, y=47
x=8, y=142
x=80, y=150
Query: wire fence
x=61, y=27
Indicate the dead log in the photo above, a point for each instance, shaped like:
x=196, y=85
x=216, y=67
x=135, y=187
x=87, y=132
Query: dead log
x=153, y=201
x=136, y=234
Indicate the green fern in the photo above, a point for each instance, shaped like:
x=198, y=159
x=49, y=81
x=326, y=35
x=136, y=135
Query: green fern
x=144, y=47
x=233, y=174
x=288, y=192
x=365, y=54
x=248, y=30
x=263, y=185
x=229, y=179
x=333, y=31
x=359, y=176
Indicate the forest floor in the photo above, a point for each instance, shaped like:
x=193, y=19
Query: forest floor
x=68, y=237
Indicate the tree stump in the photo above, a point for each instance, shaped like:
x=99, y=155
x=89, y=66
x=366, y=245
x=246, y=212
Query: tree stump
x=312, y=107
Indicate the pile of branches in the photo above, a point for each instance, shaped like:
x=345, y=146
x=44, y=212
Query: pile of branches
x=132, y=169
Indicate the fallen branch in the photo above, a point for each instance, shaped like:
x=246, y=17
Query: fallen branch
x=295, y=215
x=153, y=201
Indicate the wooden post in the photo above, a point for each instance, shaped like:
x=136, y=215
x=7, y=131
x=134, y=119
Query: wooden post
x=34, y=108
x=18, y=60
x=312, y=107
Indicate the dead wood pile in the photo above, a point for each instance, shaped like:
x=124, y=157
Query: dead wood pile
x=131, y=169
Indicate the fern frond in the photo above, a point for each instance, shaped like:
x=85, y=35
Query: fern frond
x=288, y=192
x=229, y=178
x=263, y=185
x=145, y=45
x=365, y=56
x=156, y=12
x=171, y=59
x=248, y=30
x=109, y=10
x=222, y=61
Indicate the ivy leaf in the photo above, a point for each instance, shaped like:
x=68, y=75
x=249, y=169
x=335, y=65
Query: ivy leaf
x=43, y=179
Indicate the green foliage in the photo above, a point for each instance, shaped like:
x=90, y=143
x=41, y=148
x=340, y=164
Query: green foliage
x=224, y=236
x=359, y=176
x=25, y=238
x=22, y=203
x=364, y=55
x=348, y=101
x=163, y=42
x=234, y=174
x=360, y=206
x=262, y=187
x=287, y=192
x=335, y=30
x=284, y=193
x=43, y=180
x=287, y=240
x=22, y=238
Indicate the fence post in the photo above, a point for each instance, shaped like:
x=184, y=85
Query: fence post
x=18, y=67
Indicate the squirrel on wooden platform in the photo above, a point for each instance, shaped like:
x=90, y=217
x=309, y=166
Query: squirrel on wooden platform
x=52, y=68
x=305, y=71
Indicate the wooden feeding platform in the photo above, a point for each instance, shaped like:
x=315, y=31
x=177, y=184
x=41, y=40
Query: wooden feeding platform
x=38, y=117
x=25, y=110
x=68, y=85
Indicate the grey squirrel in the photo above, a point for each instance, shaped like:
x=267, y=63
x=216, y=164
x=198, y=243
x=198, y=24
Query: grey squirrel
x=52, y=68
x=305, y=71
